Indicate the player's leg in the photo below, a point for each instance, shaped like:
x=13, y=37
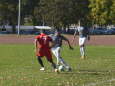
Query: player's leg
x=40, y=62
x=55, y=54
x=80, y=45
x=68, y=68
x=49, y=58
x=40, y=54
x=83, y=51
x=52, y=63
x=58, y=56
x=61, y=60
x=82, y=48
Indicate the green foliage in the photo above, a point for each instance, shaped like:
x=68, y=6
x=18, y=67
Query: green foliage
x=59, y=13
x=112, y=12
x=8, y=12
x=100, y=11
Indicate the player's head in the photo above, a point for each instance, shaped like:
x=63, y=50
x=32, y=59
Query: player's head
x=57, y=32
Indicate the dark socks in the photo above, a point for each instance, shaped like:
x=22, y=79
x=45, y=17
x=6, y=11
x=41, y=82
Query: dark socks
x=54, y=65
x=40, y=61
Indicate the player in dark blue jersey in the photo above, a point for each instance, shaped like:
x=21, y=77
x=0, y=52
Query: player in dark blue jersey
x=57, y=40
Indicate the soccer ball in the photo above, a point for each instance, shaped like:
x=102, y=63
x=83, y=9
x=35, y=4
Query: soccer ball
x=61, y=68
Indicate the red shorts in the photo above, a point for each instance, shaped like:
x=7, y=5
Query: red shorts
x=44, y=52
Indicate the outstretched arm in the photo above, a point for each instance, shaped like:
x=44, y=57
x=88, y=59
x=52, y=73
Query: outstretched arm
x=35, y=45
x=74, y=37
x=64, y=38
x=88, y=34
x=88, y=37
x=69, y=45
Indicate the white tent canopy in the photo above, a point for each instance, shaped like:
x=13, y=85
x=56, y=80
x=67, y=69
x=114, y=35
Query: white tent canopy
x=42, y=27
x=9, y=28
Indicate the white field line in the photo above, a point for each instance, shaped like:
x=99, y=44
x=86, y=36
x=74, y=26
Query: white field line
x=97, y=83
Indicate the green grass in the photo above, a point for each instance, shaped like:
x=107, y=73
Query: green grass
x=19, y=67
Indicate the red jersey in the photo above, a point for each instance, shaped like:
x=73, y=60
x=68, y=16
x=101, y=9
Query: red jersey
x=43, y=40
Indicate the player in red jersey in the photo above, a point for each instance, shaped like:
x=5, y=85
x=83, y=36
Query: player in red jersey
x=42, y=48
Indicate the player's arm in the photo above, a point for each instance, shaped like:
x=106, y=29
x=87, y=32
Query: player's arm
x=88, y=37
x=88, y=34
x=75, y=33
x=69, y=44
x=64, y=38
x=35, y=45
x=51, y=43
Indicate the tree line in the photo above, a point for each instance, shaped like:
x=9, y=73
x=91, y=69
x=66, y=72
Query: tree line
x=58, y=13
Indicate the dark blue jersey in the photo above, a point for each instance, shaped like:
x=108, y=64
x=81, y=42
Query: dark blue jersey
x=58, y=40
x=83, y=31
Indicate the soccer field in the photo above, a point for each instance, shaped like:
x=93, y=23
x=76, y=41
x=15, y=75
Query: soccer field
x=19, y=67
